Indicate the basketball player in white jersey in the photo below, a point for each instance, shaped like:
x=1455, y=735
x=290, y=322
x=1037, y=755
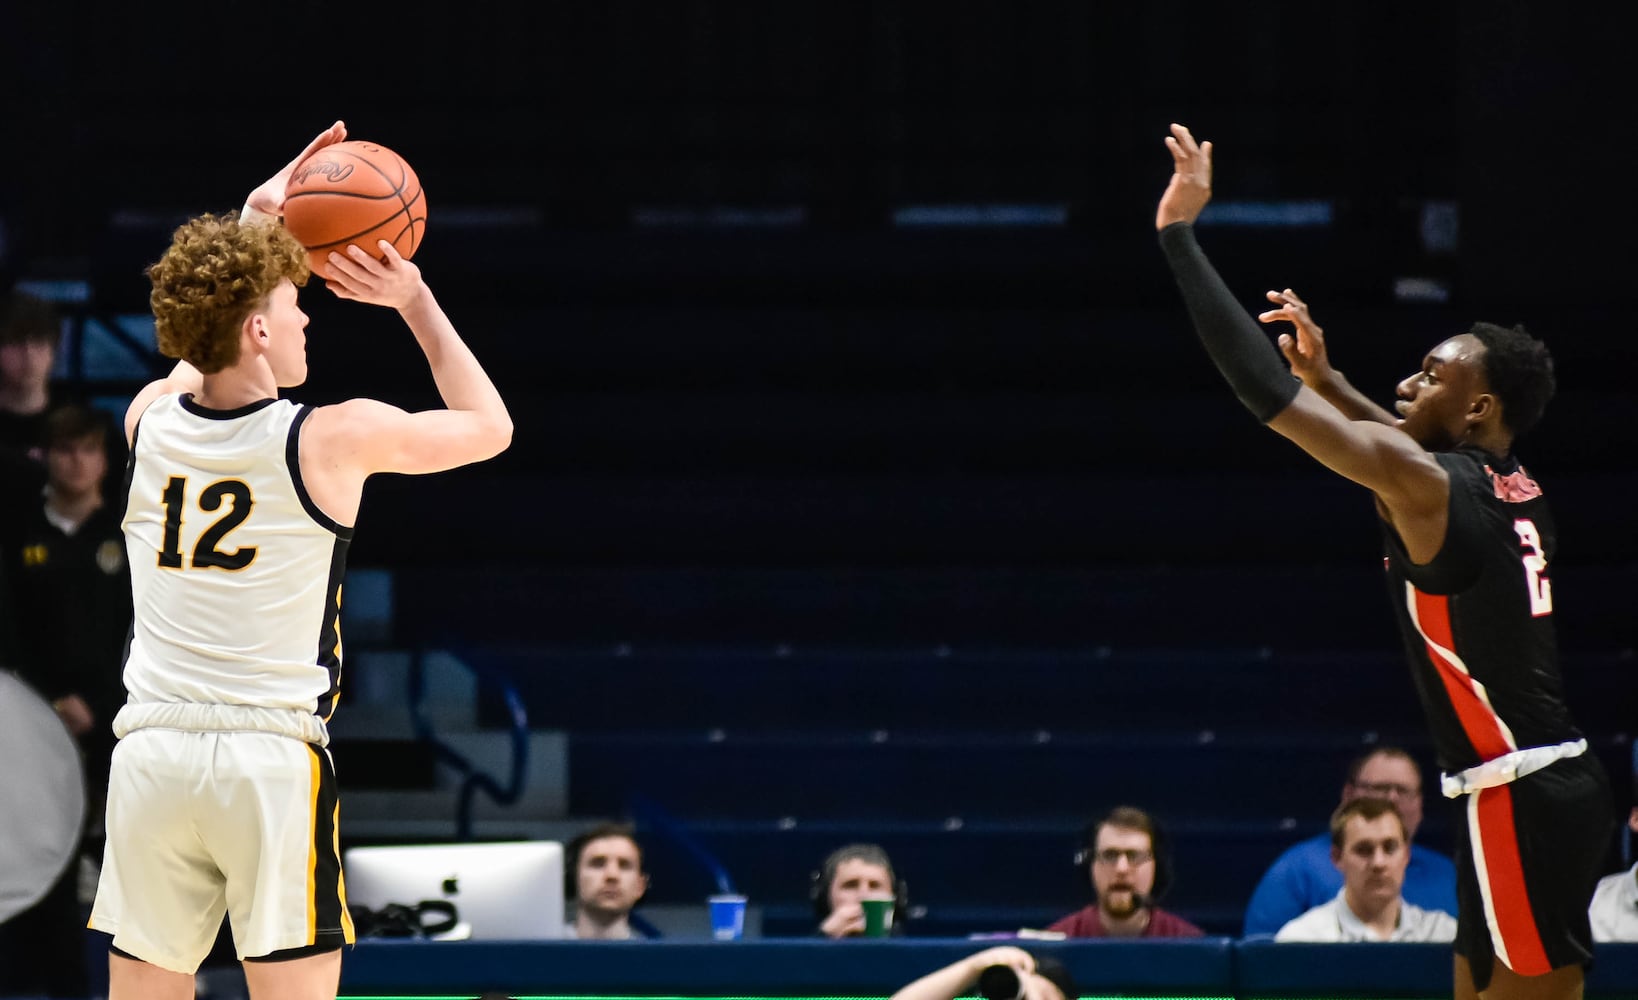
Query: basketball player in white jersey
x=222, y=796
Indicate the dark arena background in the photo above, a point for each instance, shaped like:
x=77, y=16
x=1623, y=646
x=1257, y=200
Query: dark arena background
x=869, y=483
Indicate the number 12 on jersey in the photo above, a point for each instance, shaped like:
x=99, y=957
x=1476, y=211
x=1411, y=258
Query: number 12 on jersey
x=207, y=552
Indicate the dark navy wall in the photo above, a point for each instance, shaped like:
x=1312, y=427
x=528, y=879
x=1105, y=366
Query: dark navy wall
x=772, y=459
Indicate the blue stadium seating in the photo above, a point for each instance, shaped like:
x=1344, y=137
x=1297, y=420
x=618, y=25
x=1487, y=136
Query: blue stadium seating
x=977, y=768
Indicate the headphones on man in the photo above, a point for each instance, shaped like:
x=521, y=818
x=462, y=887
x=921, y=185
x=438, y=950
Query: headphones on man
x=819, y=882
x=1126, y=817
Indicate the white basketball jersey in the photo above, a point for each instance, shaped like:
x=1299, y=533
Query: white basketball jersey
x=235, y=573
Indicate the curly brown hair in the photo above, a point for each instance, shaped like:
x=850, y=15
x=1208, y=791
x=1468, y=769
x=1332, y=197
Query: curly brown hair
x=217, y=270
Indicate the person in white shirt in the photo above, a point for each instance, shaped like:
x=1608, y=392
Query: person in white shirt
x=1370, y=848
x=1614, y=909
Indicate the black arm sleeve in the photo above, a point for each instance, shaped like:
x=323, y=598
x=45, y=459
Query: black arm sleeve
x=1241, y=351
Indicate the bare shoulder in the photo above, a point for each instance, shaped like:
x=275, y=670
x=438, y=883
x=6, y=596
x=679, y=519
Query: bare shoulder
x=357, y=408
x=183, y=378
x=1415, y=472
x=371, y=436
x=139, y=405
x=1408, y=480
x=144, y=399
x=353, y=421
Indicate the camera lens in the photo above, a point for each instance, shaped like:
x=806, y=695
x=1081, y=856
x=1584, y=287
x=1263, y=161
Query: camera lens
x=1000, y=982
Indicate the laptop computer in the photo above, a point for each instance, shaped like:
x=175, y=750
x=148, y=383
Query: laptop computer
x=507, y=891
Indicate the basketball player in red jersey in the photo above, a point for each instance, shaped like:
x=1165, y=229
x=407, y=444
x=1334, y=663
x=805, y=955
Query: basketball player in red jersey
x=1469, y=539
x=222, y=797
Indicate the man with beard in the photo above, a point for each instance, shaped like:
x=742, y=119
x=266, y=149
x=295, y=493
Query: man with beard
x=1370, y=848
x=606, y=880
x=1124, y=856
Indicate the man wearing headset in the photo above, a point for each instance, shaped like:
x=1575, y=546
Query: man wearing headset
x=850, y=875
x=1124, y=855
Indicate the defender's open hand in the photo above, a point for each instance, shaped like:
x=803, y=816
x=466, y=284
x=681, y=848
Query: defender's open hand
x=1305, y=351
x=1190, y=187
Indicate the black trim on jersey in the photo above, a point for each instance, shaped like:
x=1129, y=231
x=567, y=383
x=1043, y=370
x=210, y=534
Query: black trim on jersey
x=329, y=637
x=292, y=460
x=1505, y=464
x=130, y=459
x=187, y=402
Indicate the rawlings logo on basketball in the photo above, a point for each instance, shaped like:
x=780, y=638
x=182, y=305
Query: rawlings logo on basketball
x=354, y=194
x=332, y=171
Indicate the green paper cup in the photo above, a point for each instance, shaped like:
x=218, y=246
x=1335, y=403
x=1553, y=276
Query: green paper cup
x=878, y=916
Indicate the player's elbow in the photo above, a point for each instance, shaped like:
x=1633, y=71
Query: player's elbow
x=503, y=435
x=496, y=435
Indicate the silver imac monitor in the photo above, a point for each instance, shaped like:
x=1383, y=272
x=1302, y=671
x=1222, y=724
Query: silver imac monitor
x=502, y=891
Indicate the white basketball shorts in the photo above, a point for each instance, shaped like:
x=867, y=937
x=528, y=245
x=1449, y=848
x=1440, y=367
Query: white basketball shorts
x=206, y=823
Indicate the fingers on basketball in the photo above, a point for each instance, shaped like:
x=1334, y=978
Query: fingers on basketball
x=355, y=193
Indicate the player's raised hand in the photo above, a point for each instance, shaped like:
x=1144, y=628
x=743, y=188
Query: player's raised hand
x=1190, y=186
x=391, y=281
x=268, y=198
x=1304, y=351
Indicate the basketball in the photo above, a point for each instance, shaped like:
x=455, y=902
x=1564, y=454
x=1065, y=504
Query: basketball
x=354, y=192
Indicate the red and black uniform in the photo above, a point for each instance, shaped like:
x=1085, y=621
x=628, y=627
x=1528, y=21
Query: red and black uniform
x=1477, y=622
x=1478, y=628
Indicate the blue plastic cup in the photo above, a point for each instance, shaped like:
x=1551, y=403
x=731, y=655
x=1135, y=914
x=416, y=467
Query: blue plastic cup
x=727, y=917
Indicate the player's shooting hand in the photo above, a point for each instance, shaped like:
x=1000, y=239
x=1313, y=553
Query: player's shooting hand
x=1190, y=187
x=1304, y=351
x=268, y=198
x=392, y=282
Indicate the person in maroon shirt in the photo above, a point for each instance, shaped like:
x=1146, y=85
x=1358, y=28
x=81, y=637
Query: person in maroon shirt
x=1125, y=859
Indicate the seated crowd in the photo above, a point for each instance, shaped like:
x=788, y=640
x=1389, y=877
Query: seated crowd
x=1362, y=880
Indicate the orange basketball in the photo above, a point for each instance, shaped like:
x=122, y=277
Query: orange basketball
x=354, y=192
